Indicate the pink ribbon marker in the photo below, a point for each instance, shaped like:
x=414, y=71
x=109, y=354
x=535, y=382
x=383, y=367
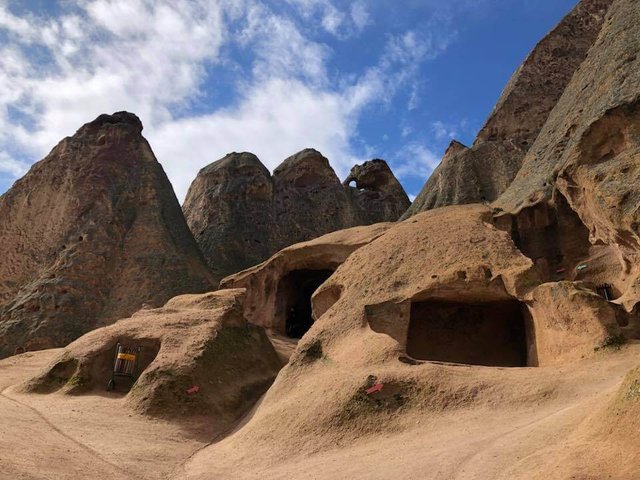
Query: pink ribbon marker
x=376, y=388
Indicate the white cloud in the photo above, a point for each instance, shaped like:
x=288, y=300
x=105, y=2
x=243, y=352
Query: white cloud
x=158, y=58
x=443, y=131
x=360, y=16
x=281, y=50
x=275, y=120
x=341, y=23
x=11, y=166
x=415, y=160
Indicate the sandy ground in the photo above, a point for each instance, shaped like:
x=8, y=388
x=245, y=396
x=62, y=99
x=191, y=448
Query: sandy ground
x=522, y=442
x=92, y=436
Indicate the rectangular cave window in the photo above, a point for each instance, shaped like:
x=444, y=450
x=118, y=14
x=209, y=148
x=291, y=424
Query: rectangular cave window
x=490, y=334
x=294, y=292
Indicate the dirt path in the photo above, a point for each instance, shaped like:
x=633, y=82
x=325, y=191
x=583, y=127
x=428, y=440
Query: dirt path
x=93, y=436
x=56, y=437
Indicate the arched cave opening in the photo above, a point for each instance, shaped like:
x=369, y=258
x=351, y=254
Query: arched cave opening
x=294, y=299
x=490, y=334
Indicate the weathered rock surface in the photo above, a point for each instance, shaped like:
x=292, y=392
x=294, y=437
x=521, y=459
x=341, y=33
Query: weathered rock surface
x=240, y=214
x=377, y=195
x=309, y=200
x=229, y=210
x=271, y=289
x=481, y=173
x=90, y=234
x=394, y=323
x=194, y=340
x=587, y=153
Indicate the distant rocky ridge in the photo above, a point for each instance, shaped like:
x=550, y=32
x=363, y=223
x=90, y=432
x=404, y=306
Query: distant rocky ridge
x=482, y=172
x=92, y=233
x=240, y=214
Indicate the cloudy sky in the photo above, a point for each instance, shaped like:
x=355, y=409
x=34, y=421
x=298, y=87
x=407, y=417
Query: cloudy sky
x=392, y=79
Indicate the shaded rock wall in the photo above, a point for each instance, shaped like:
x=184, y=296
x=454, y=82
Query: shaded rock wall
x=90, y=234
x=485, y=170
x=240, y=214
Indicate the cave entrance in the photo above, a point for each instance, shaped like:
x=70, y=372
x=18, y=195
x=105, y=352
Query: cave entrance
x=102, y=371
x=490, y=334
x=294, y=292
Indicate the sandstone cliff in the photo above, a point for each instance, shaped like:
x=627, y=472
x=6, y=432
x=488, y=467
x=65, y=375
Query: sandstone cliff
x=587, y=152
x=90, y=234
x=485, y=170
x=240, y=214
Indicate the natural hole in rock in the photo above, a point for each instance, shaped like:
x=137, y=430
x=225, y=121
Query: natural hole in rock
x=490, y=334
x=294, y=300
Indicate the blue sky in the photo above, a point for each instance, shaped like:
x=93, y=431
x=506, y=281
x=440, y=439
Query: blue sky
x=392, y=79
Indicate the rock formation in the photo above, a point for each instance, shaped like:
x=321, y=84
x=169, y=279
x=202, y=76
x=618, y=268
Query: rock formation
x=229, y=210
x=289, y=278
x=430, y=330
x=399, y=327
x=90, y=234
x=485, y=170
x=309, y=200
x=377, y=194
x=587, y=153
x=194, y=340
x=240, y=214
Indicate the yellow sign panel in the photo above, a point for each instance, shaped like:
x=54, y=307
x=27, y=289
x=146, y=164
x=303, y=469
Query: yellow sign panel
x=126, y=356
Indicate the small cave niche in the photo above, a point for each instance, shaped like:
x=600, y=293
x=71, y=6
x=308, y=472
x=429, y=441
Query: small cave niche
x=553, y=237
x=102, y=368
x=605, y=290
x=489, y=334
x=294, y=300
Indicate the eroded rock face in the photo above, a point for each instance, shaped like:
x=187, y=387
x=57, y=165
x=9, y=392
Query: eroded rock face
x=481, y=173
x=271, y=293
x=587, y=153
x=399, y=316
x=377, y=192
x=309, y=199
x=90, y=234
x=194, y=340
x=240, y=214
x=229, y=211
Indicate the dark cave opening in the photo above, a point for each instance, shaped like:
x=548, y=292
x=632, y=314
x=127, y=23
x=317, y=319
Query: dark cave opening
x=490, y=334
x=294, y=292
x=102, y=370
